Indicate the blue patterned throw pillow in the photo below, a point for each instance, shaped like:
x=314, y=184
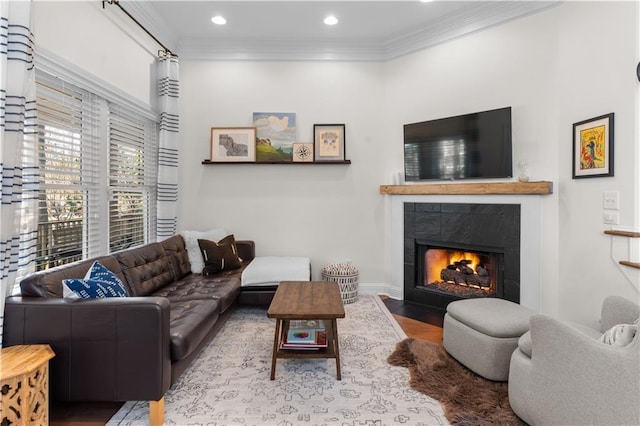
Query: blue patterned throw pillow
x=98, y=283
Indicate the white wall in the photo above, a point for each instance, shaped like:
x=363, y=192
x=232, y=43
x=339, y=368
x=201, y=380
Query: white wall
x=98, y=41
x=560, y=66
x=598, y=52
x=326, y=212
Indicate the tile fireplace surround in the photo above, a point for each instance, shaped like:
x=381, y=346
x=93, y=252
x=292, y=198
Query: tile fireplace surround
x=530, y=215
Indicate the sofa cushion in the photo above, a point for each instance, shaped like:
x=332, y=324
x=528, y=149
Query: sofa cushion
x=48, y=283
x=145, y=268
x=190, y=322
x=224, y=287
x=193, y=249
x=98, y=283
x=524, y=343
x=176, y=252
x=265, y=271
x=219, y=256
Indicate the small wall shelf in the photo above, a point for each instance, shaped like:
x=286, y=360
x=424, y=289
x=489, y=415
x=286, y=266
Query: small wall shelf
x=298, y=163
x=628, y=234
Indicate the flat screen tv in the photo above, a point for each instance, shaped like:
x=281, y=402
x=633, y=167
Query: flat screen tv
x=470, y=146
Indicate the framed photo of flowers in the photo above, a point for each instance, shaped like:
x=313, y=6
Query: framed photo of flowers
x=328, y=141
x=593, y=147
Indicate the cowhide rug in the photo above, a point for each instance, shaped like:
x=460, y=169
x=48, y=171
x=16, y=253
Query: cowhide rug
x=467, y=399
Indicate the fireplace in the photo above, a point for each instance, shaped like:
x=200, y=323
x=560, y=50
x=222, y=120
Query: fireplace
x=459, y=251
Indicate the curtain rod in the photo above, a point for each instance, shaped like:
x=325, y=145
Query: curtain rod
x=117, y=3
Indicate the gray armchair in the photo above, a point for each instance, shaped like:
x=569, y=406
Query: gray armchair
x=562, y=374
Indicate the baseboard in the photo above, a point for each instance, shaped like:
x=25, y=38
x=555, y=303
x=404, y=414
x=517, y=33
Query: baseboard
x=380, y=288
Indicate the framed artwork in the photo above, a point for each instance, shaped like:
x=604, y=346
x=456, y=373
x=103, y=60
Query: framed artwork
x=328, y=140
x=302, y=152
x=275, y=135
x=233, y=144
x=593, y=147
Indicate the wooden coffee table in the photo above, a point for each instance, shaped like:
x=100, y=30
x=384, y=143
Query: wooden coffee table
x=306, y=300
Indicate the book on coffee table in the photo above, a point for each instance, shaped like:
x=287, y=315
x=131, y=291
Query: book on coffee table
x=307, y=325
x=300, y=336
x=311, y=339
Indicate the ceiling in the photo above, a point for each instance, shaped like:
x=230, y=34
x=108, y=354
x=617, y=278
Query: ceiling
x=293, y=30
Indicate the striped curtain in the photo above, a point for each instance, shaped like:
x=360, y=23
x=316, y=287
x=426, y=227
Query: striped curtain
x=18, y=132
x=168, y=90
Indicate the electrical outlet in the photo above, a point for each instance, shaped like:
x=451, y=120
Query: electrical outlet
x=611, y=218
x=610, y=200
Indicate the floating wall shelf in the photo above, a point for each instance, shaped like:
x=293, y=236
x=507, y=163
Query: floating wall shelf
x=299, y=163
x=628, y=234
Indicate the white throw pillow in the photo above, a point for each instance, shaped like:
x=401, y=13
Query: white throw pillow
x=620, y=335
x=193, y=249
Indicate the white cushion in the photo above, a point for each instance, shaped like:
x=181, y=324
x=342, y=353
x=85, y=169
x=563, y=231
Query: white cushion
x=270, y=270
x=193, y=249
x=620, y=335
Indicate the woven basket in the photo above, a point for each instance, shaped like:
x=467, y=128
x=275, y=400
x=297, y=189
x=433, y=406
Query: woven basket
x=346, y=275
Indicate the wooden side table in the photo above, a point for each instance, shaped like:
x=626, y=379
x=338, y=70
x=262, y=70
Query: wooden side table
x=24, y=384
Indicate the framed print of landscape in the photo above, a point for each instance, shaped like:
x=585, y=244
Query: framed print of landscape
x=275, y=135
x=233, y=144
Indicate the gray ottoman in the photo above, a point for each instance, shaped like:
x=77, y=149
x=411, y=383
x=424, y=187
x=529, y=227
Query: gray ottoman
x=483, y=333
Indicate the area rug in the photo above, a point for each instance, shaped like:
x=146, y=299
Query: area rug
x=228, y=384
x=467, y=399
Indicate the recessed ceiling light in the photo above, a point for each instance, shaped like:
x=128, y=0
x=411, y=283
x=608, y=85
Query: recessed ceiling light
x=218, y=20
x=330, y=20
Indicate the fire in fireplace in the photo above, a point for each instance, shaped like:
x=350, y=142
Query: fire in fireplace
x=449, y=271
x=460, y=273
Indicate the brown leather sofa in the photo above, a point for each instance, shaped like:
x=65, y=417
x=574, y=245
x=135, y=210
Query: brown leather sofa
x=125, y=349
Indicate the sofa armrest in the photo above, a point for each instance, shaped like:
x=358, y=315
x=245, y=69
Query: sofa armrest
x=576, y=375
x=113, y=349
x=618, y=310
x=246, y=249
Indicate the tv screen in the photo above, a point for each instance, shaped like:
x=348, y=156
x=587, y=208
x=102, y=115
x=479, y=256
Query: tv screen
x=470, y=146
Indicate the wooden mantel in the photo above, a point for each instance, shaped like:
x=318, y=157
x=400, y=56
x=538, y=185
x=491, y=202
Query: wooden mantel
x=487, y=188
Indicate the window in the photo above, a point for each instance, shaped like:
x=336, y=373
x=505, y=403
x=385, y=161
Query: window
x=132, y=178
x=97, y=162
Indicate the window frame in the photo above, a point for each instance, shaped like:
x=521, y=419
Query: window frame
x=98, y=194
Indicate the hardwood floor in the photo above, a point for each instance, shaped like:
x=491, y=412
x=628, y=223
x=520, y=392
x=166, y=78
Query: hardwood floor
x=415, y=321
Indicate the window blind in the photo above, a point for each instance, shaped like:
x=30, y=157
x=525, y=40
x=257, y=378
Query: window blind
x=68, y=160
x=97, y=164
x=133, y=171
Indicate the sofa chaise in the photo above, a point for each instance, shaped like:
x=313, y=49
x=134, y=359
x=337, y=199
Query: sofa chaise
x=125, y=348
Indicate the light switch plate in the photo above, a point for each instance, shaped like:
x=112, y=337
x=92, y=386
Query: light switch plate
x=610, y=200
x=611, y=218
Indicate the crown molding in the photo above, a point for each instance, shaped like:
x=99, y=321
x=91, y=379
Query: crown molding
x=279, y=50
x=471, y=20
x=276, y=49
